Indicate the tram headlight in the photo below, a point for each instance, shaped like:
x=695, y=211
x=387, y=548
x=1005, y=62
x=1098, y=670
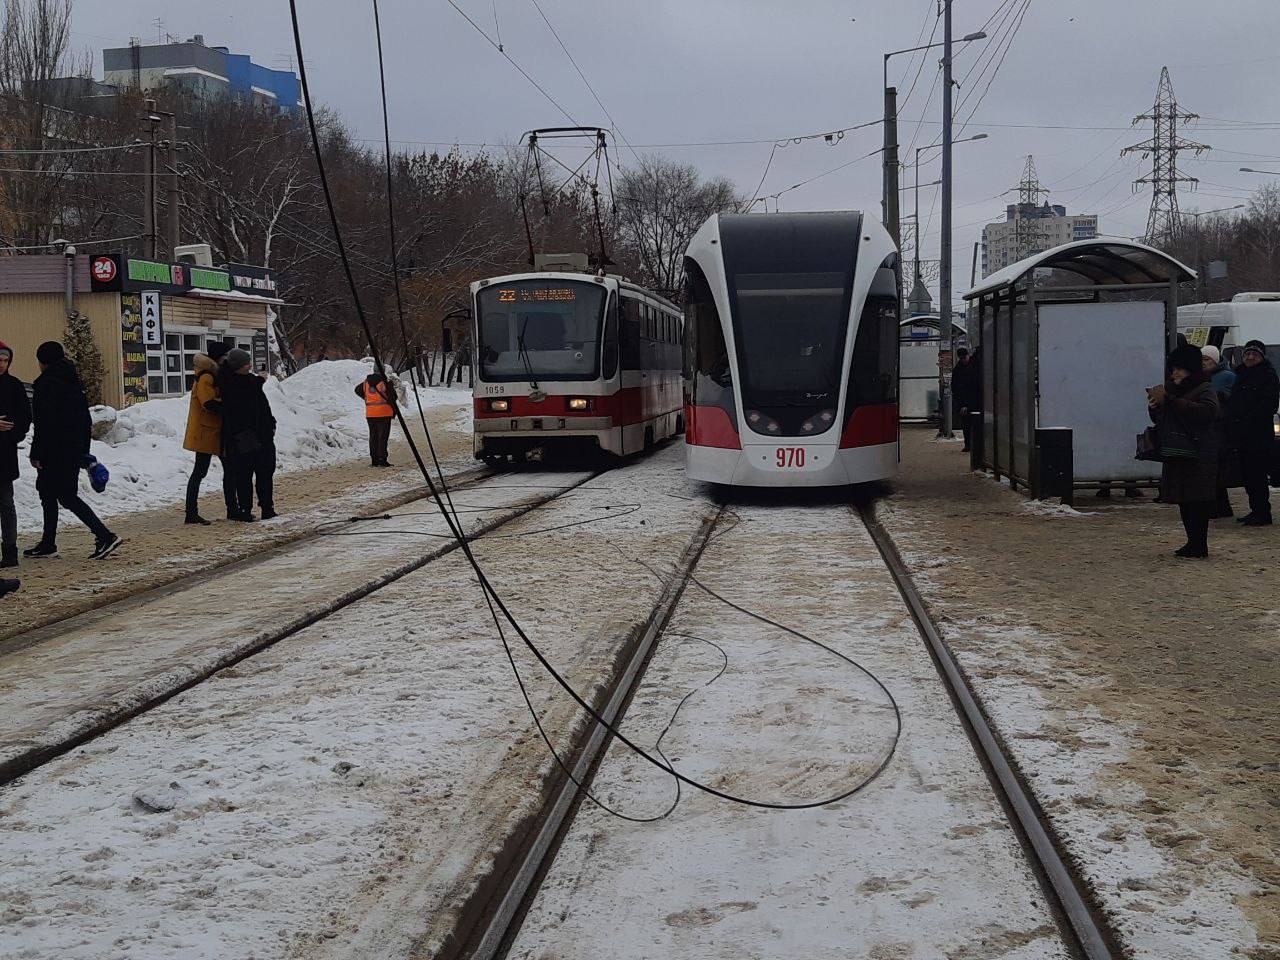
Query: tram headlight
x=762, y=423
x=818, y=422
x=499, y=406
x=579, y=403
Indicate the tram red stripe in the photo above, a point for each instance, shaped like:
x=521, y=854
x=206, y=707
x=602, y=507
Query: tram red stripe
x=627, y=406
x=710, y=427
x=871, y=425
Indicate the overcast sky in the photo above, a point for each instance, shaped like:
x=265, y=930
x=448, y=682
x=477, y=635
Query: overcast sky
x=681, y=72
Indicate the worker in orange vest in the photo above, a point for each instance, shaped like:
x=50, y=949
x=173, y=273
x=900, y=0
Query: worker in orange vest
x=379, y=408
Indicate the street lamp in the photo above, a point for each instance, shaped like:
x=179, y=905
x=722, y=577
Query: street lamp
x=889, y=193
x=1265, y=173
x=919, y=150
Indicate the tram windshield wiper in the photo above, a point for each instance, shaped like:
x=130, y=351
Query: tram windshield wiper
x=523, y=353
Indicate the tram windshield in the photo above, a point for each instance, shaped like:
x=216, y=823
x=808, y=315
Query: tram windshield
x=540, y=330
x=790, y=280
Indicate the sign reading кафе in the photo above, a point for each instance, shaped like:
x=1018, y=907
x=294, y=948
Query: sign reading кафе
x=114, y=272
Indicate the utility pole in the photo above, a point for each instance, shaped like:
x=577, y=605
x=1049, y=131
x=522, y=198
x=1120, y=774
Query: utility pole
x=1164, y=147
x=892, y=219
x=149, y=181
x=944, y=267
x=174, y=223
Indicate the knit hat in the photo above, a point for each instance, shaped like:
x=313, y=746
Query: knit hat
x=1213, y=353
x=5, y=348
x=237, y=358
x=1186, y=357
x=50, y=352
x=217, y=350
x=1256, y=346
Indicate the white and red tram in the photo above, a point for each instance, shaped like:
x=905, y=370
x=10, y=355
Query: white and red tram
x=573, y=360
x=791, y=350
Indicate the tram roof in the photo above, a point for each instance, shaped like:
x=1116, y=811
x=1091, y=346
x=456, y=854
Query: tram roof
x=1102, y=261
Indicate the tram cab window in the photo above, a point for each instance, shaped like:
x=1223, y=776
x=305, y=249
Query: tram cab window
x=706, y=355
x=629, y=330
x=540, y=329
x=873, y=377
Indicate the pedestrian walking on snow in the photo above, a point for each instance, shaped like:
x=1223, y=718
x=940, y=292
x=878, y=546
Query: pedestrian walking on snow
x=1222, y=380
x=59, y=447
x=379, y=409
x=1251, y=412
x=15, y=420
x=204, y=436
x=248, y=435
x=1185, y=411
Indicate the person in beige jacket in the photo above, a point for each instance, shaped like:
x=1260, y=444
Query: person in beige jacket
x=204, y=433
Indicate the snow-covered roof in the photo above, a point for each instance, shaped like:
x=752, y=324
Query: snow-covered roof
x=1102, y=260
x=233, y=295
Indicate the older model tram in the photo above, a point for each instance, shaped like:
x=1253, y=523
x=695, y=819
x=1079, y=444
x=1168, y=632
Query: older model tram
x=571, y=360
x=791, y=350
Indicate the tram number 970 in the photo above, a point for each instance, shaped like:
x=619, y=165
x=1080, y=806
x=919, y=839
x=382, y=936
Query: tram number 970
x=789, y=457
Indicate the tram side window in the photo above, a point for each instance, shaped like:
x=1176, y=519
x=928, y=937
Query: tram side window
x=875, y=348
x=609, y=352
x=708, y=356
x=629, y=333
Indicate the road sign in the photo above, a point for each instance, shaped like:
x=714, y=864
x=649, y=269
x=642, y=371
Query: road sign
x=152, y=322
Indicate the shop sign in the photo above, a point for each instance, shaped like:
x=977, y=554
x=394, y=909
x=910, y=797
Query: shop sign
x=104, y=273
x=260, y=351
x=133, y=350
x=258, y=281
x=152, y=329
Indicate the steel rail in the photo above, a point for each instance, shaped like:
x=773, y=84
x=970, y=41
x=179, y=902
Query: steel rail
x=503, y=922
x=119, y=713
x=1063, y=886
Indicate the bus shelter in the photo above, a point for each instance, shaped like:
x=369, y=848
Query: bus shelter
x=919, y=347
x=1068, y=341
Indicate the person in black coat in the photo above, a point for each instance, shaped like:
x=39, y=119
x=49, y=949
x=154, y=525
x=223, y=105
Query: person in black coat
x=248, y=435
x=60, y=413
x=1251, y=411
x=966, y=391
x=15, y=420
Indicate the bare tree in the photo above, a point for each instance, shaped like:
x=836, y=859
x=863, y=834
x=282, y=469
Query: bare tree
x=661, y=204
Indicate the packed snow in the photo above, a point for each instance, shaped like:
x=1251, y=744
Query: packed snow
x=320, y=421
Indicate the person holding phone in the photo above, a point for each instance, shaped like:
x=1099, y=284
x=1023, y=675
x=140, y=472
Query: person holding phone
x=248, y=435
x=15, y=420
x=1186, y=412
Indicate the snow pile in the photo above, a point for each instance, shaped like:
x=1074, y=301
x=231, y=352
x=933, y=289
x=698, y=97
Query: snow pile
x=1043, y=508
x=319, y=421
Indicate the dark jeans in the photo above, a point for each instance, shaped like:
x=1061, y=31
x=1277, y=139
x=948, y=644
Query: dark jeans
x=201, y=470
x=379, y=435
x=1255, y=468
x=1195, y=520
x=59, y=488
x=8, y=515
x=254, y=470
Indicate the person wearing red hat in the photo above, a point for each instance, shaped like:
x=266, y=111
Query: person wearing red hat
x=15, y=420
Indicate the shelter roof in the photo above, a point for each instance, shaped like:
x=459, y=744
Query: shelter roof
x=1104, y=261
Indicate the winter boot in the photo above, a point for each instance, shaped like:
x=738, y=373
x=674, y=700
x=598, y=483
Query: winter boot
x=1257, y=520
x=196, y=518
x=9, y=555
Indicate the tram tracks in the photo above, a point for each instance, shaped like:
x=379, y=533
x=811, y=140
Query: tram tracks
x=496, y=915
x=25, y=752
x=1080, y=918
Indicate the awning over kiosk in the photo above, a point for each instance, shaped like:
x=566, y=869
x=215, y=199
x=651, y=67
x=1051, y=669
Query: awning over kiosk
x=1100, y=262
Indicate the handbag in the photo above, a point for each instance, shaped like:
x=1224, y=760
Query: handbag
x=1148, y=445
x=1177, y=442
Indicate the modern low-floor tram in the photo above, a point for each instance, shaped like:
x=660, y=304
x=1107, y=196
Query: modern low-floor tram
x=567, y=360
x=791, y=350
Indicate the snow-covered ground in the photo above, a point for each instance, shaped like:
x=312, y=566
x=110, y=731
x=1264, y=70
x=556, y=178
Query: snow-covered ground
x=922, y=863
x=341, y=794
x=320, y=422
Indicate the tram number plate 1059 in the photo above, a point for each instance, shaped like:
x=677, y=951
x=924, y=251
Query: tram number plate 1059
x=789, y=457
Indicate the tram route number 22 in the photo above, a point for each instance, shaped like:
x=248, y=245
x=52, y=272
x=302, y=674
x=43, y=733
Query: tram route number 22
x=786, y=457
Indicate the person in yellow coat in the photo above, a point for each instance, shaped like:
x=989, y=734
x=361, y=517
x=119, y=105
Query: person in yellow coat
x=204, y=432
